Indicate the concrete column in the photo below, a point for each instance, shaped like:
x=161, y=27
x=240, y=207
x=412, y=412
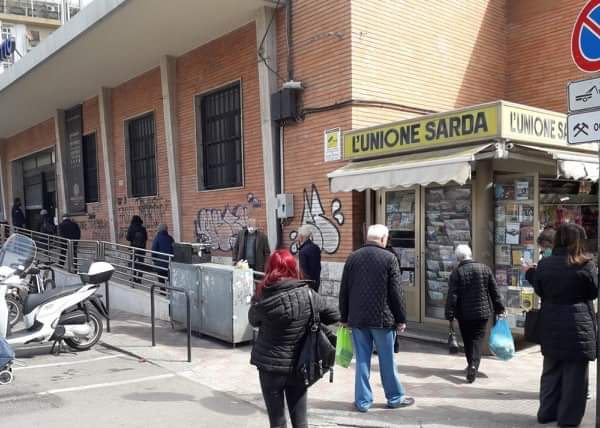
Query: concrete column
x=267, y=86
x=167, y=82
x=59, y=128
x=483, y=213
x=3, y=170
x=105, y=109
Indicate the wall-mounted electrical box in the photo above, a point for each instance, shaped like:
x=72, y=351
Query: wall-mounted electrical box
x=285, y=205
x=284, y=105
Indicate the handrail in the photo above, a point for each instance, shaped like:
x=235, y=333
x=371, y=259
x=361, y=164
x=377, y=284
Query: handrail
x=136, y=267
x=188, y=317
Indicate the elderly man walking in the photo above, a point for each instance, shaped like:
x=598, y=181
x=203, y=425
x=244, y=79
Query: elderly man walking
x=309, y=255
x=472, y=299
x=371, y=303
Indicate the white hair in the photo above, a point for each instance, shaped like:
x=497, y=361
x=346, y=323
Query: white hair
x=306, y=231
x=463, y=252
x=377, y=232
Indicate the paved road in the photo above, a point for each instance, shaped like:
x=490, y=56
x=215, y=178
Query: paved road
x=104, y=388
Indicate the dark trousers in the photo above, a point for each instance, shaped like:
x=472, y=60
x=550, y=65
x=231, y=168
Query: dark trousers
x=274, y=388
x=563, y=390
x=473, y=334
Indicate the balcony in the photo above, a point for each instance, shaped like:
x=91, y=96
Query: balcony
x=37, y=9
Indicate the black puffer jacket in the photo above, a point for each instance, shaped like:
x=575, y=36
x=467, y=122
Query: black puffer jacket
x=282, y=314
x=472, y=292
x=370, y=293
x=567, y=321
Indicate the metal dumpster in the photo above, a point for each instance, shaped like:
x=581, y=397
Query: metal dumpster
x=220, y=298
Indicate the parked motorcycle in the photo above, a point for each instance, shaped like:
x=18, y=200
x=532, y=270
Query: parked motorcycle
x=71, y=314
x=20, y=285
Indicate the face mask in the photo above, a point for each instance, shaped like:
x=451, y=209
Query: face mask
x=547, y=252
x=251, y=229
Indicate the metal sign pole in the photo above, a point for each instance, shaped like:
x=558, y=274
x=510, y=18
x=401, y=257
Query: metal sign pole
x=598, y=305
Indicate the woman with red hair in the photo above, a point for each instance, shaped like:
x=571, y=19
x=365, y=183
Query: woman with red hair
x=281, y=309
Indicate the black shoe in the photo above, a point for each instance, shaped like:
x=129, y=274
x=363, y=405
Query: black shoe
x=471, y=374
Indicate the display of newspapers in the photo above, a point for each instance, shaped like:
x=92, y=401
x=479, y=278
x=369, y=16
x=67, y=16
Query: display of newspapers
x=400, y=219
x=514, y=237
x=448, y=224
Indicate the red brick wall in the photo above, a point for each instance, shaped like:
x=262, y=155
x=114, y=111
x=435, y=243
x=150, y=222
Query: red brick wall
x=432, y=55
x=220, y=214
x=94, y=224
x=322, y=62
x=39, y=137
x=539, y=46
x=132, y=99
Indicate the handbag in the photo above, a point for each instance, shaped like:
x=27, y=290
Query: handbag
x=452, y=341
x=533, y=326
x=317, y=354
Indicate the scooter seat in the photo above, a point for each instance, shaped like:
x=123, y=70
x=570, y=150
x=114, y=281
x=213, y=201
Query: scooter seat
x=34, y=300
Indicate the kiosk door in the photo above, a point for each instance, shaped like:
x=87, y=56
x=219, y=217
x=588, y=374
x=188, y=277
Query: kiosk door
x=398, y=212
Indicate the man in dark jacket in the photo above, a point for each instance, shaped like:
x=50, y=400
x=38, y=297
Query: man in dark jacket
x=371, y=303
x=309, y=256
x=18, y=217
x=471, y=287
x=68, y=229
x=253, y=246
x=162, y=243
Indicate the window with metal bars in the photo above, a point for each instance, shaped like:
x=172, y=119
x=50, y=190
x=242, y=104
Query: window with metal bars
x=90, y=168
x=142, y=156
x=220, y=149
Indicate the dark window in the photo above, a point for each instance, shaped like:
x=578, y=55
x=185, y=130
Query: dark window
x=221, y=138
x=90, y=168
x=142, y=163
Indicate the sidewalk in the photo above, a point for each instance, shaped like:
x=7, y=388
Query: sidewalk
x=505, y=396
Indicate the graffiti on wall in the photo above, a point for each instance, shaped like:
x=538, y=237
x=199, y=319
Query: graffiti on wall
x=152, y=211
x=94, y=228
x=325, y=228
x=220, y=227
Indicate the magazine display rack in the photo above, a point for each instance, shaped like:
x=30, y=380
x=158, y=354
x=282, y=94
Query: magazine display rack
x=448, y=224
x=514, y=242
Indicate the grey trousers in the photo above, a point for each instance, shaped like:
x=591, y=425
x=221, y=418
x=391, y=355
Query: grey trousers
x=563, y=390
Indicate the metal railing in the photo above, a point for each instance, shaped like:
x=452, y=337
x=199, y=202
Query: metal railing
x=135, y=267
x=37, y=9
x=188, y=317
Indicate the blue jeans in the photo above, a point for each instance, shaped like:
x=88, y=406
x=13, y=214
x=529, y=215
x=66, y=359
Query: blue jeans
x=363, y=348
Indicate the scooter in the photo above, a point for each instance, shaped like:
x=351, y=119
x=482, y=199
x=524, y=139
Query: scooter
x=31, y=281
x=71, y=314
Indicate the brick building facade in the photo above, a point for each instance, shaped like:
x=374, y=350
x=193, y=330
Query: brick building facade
x=361, y=63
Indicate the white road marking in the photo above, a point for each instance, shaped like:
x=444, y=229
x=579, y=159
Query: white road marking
x=67, y=363
x=107, y=384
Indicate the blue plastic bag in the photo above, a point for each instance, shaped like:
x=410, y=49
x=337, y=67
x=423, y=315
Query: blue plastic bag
x=501, y=341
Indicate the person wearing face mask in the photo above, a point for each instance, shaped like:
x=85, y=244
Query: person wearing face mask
x=545, y=241
x=252, y=245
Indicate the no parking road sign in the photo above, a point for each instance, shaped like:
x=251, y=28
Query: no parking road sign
x=585, y=40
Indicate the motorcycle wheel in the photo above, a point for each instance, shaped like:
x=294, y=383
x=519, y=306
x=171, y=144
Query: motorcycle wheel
x=83, y=344
x=15, y=310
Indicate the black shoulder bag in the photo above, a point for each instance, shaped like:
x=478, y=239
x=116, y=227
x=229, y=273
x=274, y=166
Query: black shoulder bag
x=317, y=355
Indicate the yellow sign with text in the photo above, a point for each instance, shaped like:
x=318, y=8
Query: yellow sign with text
x=439, y=130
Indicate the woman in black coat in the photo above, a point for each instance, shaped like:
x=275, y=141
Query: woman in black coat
x=281, y=309
x=567, y=282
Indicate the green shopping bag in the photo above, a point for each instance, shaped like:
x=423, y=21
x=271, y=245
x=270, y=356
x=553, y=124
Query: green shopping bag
x=343, y=348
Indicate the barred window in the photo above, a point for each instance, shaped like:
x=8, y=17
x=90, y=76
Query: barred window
x=90, y=168
x=142, y=156
x=220, y=138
